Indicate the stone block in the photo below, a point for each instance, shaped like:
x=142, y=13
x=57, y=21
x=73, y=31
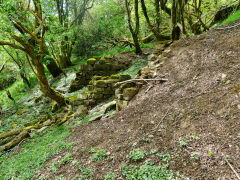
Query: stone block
x=124, y=77
x=121, y=104
x=129, y=93
x=100, y=84
x=91, y=61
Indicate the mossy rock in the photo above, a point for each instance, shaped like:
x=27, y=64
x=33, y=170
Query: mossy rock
x=102, y=61
x=128, y=85
x=73, y=98
x=90, y=87
x=96, y=78
x=91, y=61
x=97, y=57
x=108, y=57
x=111, y=82
x=124, y=77
x=100, y=83
x=115, y=76
x=121, y=104
x=129, y=93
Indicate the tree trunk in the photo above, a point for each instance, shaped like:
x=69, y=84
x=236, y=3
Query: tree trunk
x=175, y=28
x=53, y=68
x=44, y=86
x=136, y=31
x=25, y=80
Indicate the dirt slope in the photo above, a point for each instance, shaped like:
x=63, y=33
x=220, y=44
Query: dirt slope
x=199, y=107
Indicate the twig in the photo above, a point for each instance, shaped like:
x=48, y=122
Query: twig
x=163, y=118
x=150, y=87
x=228, y=27
x=161, y=80
x=235, y=172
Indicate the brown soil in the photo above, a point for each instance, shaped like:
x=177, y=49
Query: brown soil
x=197, y=106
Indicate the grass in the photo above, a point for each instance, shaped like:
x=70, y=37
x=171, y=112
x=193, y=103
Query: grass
x=123, y=49
x=232, y=18
x=136, y=66
x=66, y=159
x=17, y=90
x=33, y=154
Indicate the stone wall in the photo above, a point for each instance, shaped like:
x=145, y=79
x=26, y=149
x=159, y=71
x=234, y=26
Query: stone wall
x=125, y=92
x=101, y=88
x=103, y=66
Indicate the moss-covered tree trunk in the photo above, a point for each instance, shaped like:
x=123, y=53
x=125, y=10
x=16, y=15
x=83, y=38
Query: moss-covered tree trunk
x=44, y=86
x=135, y=32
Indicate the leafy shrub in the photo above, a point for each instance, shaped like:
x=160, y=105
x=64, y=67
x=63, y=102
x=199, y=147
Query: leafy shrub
x=146, y=172
x=137, y=155
x=100, y=155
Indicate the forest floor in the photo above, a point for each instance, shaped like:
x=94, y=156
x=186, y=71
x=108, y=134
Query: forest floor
x=187, y=127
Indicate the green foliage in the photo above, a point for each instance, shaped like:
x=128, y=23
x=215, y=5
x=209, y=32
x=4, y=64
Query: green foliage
x=115, y=50
x=17, y=90
x=87, y=173
x=146, y=172
x=195, y=155
x=7, y=77
x=85, y=118
x=137, y=155
x=33, y=154
x=99, y=155
x=136, y=66
x=232, y=18
x=54, y=167
x=66, y=159
x=92, y=150
x=110, y=176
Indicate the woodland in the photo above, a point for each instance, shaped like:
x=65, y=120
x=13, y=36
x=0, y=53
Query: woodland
x=105, y=89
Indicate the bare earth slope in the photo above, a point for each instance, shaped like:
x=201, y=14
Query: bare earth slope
x=199, y=108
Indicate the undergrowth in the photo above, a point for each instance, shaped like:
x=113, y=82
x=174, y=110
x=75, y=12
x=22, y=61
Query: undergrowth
x=136, y=66
x=33, y=154
x=232, y=18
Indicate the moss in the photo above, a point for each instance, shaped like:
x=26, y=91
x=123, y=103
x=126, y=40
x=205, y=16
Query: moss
x=55, y=107
x=115, y=76
x=124, y=77
x=108, y=57
x=73, y=98
x=91, y=61
x=101, y=61
x=37, y=99
x=22, y=111
x=97, y=78
x=100, y=83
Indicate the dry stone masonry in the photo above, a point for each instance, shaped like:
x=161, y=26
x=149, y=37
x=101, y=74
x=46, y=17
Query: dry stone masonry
x=99, y=66
x=125, y=92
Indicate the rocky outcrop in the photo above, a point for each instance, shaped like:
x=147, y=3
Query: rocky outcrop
x=100, y=66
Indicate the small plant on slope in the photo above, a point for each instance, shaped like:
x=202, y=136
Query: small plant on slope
x=67, y=158
x=100, y=155
x=137, y=155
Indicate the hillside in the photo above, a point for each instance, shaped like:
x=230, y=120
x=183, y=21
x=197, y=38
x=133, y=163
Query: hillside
x=189, y=123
